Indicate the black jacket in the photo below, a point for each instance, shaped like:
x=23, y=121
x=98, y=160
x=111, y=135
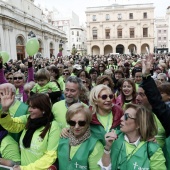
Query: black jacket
x=159, y=107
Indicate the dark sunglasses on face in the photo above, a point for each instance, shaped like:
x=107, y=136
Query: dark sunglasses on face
x=73, y=123
x=126, y=116
x=105, y=96
x=19, y=78
x=66, y=74
x=9, y=78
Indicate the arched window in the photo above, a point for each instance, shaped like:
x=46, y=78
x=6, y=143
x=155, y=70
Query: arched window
x=20, y=48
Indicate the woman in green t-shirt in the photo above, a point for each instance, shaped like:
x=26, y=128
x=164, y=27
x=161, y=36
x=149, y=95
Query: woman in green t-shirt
x=80, y=150
x=40, y=133
x=130, y=149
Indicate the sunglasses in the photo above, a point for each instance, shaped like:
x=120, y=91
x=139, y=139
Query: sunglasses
x=73, y=123
x=105, y=96
x=66, y=74
x=9, y=78
x=18, y=78
x=126, y=116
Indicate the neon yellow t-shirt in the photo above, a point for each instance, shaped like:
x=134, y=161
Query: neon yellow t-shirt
x=106, y=121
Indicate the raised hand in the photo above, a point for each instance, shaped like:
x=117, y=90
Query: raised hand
x=147, y=64
x=30, y=59
x=109, y=138
x=7, y=98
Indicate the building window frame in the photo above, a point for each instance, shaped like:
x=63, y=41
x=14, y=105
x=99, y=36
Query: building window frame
x=130, y=15
x=119, y=16
x=94, y=18
x=145, y=15
x=145, y=32
x=94, y=33
x=107, y=33
x=107, y=17
x=132, y=32
x=119, y=33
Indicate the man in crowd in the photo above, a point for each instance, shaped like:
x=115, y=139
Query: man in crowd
x=72, y=90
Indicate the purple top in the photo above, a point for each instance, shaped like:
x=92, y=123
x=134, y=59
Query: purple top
x=21, y=88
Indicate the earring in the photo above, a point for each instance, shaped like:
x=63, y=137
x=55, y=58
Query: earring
x=43, y=112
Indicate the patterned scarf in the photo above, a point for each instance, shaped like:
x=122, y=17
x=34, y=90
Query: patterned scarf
x=74, y=141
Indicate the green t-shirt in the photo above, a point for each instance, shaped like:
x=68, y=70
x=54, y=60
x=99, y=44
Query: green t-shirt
x=50, y=86
x=40, y=147
x=106, y=121
x=59, y=110
x=9, y=149
x=61, y=83
x=161, y=136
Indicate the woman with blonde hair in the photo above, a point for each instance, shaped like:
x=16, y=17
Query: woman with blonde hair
x=106, y=115
x=130, y=147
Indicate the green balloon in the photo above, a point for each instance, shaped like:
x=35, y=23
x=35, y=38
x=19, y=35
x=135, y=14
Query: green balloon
x=32, y=46
x=5, y=56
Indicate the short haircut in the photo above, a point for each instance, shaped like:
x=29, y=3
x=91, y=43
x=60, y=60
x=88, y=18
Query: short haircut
x=76, y=108
x=94, y=95
x=43, y=74
x=103, y=78
x=76, y=80
x=162, y=75
x=22, y=75
x=164, y=88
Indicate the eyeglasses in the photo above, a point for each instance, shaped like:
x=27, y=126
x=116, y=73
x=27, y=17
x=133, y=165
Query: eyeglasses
x=100, y=66
x=66, y=74
x=73, y=123
x=110, y=60
x=126, y=116
x=9, y=78
x=18, y=78
x=105, y=96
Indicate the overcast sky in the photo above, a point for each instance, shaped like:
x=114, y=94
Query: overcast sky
x=79, y=6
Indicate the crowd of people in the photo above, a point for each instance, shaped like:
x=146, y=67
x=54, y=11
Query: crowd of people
x=85, y=112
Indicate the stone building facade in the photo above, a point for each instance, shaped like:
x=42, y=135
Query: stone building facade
x=17, y=19
x=161, y=35
x=120, y=29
